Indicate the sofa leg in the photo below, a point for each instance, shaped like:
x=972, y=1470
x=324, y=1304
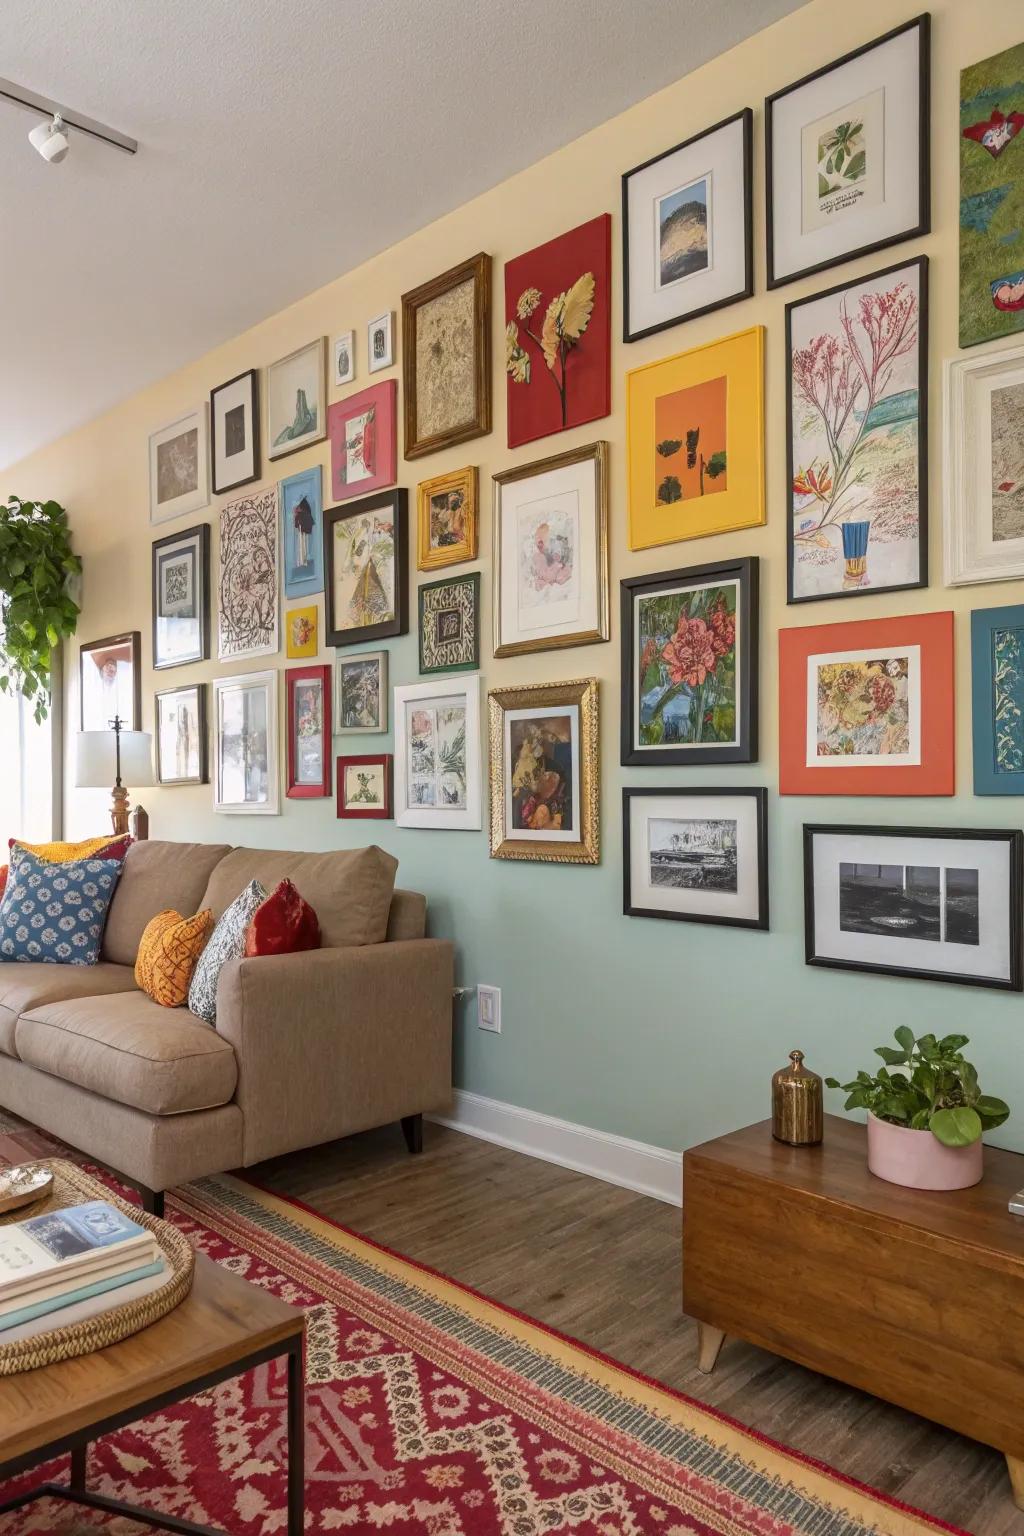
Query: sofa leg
x=152, y=1200
x=412, y=1130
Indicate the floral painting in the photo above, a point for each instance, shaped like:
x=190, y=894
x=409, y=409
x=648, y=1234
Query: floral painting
x=992, y=197
x=687, y=666
x=856, y=357
x=301, y=637
x=863, y=707
x=690, y=441
x=541, y=772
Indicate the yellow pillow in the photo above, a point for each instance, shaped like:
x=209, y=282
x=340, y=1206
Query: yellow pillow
x=168, y=951
x=68, y=853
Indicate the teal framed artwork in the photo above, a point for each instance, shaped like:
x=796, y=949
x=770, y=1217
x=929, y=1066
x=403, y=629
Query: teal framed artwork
x=303, y=528
x=997, y=699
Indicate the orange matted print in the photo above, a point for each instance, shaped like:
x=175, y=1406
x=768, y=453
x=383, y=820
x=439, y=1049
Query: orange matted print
x=867, y=708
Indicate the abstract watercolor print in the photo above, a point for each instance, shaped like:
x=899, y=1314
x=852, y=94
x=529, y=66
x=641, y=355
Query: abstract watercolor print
x=862, y=707
x=1008, y=699
x=992, y=197
x=687, y=667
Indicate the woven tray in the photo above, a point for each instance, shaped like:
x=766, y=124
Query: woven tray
x=72, y=1187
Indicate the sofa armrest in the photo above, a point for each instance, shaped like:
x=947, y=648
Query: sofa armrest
x=333, y=1041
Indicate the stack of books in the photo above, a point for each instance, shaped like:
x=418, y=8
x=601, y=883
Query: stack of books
x=67, y=1259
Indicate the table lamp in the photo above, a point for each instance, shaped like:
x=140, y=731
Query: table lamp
x=103, y=758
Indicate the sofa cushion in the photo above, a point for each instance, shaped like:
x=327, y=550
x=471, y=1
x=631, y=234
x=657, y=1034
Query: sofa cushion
x=33, y=984
x=156, y=876
x=128, y=1048
x=107, y=846
x=226, y=942
x=56, y=912
x=349, y=890
x=168, y=951
x=285, y=924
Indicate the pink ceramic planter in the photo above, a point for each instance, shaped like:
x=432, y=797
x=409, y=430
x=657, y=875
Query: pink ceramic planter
x=918, y=1160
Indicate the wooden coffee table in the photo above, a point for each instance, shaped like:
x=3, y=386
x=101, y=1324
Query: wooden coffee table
x=223, y=1327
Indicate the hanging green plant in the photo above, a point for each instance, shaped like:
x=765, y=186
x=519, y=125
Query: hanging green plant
x=36, y=611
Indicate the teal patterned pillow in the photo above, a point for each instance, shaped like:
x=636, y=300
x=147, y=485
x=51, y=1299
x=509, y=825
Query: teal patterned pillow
x=56, y=913
x=226, y=942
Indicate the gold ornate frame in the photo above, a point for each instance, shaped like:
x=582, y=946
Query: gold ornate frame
x=477, y=269
x=428, y=559
x=582, y=692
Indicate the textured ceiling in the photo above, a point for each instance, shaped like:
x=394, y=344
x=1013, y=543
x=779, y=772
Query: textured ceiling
x=279, y=146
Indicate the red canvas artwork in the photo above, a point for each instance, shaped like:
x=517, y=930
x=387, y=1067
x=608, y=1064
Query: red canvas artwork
x=558, y=333
x=364, y=453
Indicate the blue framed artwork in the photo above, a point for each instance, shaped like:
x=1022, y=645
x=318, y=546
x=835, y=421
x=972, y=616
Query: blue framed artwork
x=997, y=699
x=302, y=524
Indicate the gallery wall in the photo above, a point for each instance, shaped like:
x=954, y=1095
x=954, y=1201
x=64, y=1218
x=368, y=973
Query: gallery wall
x=665, y=1032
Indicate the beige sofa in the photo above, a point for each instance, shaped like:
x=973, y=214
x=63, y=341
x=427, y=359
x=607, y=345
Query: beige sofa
x=306, y=1047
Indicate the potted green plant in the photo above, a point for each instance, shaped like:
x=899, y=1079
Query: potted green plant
x=36, y=610
x=926, y=1112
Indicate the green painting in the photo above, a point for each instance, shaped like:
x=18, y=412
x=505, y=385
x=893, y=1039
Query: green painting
x=687, y=667
x=992, y=197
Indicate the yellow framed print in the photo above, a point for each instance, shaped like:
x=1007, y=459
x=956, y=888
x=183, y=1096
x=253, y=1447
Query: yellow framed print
x=301, y=632
x=695, y=434
x=446, y=519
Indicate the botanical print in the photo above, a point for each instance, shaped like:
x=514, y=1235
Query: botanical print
x=447, y=519
x=992, y=197
x=686, y=664
x=178, y=740
x=910, y=901
x=448, y=624
x=547, y=538
x=856, y=438
x=244, y=746
x=565, y=320
x=1007, y=406
x=301, y=633
x=364, y=784
x=247, y=617
x=689, y=853
x=359, y=461
x=541, y=779
x=177, y=466
x=1008, y=699
x=359, y=693
x=177, y=585
x=364, y=569
x=683, y=232
x=690, y=441
x=862, y=707
x=844, y=161
x=436, y=765
x=446, y=361
x=309, y=732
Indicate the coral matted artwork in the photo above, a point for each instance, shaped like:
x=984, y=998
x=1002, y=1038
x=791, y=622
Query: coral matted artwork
x=867, y=708
x=558, y=333
x=992, y=197
x=857, y=439
x=364, y=442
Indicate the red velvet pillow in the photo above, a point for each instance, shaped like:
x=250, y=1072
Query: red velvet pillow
x=283, y=924
x=3, y=880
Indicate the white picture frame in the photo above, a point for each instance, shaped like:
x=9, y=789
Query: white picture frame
x=346, y=668
x=974, y=475
x=247, y=766
x=297, y=399
x=179, y=467
x=380, y=342
x=344, y=353
x=417, y=783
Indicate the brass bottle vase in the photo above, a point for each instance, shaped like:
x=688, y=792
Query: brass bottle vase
x=797, y=1115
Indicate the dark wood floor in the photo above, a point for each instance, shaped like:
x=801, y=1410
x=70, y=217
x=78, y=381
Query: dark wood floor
x=603, y=1265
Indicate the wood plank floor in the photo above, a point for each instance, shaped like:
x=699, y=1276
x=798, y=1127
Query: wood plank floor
x=603, y=1265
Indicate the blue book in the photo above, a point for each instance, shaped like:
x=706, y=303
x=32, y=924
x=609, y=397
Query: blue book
x=97, y=1288
x=78, y=1229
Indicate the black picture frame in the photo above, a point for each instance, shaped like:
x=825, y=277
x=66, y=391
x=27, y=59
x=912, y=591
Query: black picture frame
x=1013, y=836
x=397, y=501
x=132, y=640
x=746, y=116
x=202, y=531
x=923, y=225
x=921, y=262
x=744, y=571
x=252, y=374
x=199, y=689
x=754, y=792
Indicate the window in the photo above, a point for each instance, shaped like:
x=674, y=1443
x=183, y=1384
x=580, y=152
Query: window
x=27, y=788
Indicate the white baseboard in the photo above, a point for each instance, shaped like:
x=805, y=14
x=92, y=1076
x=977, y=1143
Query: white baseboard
x=635, y=1165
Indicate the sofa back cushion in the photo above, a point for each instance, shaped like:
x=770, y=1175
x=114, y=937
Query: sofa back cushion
x=408, y=916
x=157, y=876
x=349, y=890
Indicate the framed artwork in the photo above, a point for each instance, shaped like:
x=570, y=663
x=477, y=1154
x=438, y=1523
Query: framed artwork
x=344, y=358
x=446, y=522
x=181, y=754
x=983, y=478
x=943, y=904
x=992, y=197
x=179, y=468
x=689, y=665
x=246, y=777
x=867, y=708
x=110, y=682
x=437, y=754
x=551, y=552
x=687, y=229
x=367, y=557
x=301, y=636
x=380, y=342
x=362, y=693
x=695, y=439
x=364, y=786
x=247, y=615
x=302, y=533
x=847, y=156
x=308, y=691
x=181, y=597
x=857, y=437
x=296, y=394
x=997, y=699
x=364, y=451
x=545, y=794
x=446, y=366
x=696, y=855
x=558, y=333
x=235, y=426
x=450, y=624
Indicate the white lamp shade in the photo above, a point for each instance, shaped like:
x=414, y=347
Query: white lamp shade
x=96, y=760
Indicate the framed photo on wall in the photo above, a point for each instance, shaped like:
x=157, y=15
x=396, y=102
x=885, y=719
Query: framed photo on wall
x=308, y=693
x=450, y=624
x=991, y=193
x=296, y=399
x=984, y=466
x=364, y=786
x=687, y=229
x=344, y=358
x=437, y=754
x=997, y=699
x=302, y=533
x=446, y=521
x=181, y=739
x=246, y=776
x=362, y=430
x=110, y=682
x=179, y=468
x=302, y=633
x=380, y=342
x=235, y=429
x=446, y=362
x=847, y=156
x=545, y=791
x=367, y=558
x=249, y=597
x=181, y=598
x=362, y=693
x=942, y=904
x=696, y=855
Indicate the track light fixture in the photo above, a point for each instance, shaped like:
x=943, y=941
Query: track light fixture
x=51, y=140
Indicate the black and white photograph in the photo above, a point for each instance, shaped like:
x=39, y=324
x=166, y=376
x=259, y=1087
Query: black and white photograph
x=697, y=855
x=380, y=346
x=246, y=756
x=920, y=901
x=181, y=754
x=693, y=854
x=179, y=468
x=181, y=598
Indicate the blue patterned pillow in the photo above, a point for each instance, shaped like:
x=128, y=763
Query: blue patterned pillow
x=56, y=912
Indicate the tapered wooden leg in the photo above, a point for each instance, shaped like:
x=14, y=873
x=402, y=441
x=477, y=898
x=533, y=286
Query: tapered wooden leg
x=1015, y=1467
x=412, y=1130
x=709, y=1342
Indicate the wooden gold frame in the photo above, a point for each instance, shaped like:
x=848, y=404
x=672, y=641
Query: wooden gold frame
x=477, y=269
x=583, y=693
x=464, y=480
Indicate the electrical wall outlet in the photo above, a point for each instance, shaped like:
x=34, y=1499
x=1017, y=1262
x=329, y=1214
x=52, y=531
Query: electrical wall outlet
x=488, y=1008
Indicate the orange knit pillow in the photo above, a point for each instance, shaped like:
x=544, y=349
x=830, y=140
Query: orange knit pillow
x=168, y=951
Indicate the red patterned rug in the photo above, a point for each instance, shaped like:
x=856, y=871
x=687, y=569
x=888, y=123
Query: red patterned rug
x=434, y=1412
